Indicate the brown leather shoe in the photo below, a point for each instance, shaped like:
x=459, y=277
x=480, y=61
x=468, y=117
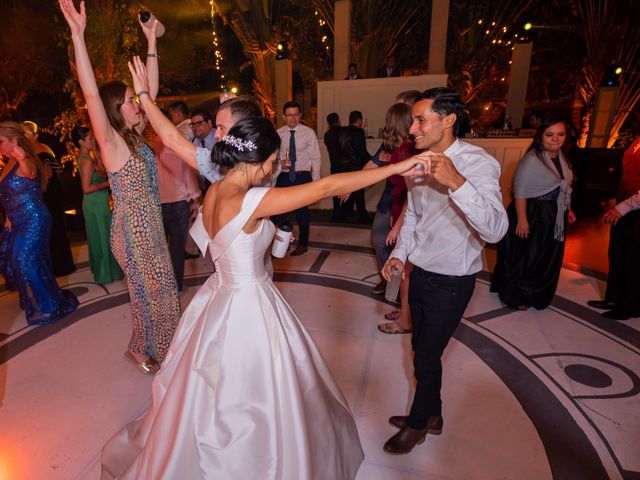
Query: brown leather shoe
x=404, y=441
x=299, y=250
x=434, y=425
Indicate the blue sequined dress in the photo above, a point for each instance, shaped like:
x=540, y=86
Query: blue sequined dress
x=27, y=254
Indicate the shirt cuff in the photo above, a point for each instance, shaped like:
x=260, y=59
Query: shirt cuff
x=465, y=193
x=623, y=208
x=400, y=253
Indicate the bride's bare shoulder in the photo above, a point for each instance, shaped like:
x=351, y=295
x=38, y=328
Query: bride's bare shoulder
x=220, y=206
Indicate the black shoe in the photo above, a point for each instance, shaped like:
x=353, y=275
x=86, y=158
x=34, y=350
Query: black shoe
x=602, y=304
x=379, y=288
x=434, y=424
x=617, y=315
x=299, y=250
x=190, y=256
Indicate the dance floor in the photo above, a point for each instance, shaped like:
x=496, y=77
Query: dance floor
x=550, y=394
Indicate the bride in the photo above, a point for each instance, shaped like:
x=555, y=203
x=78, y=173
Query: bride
x=243, y=391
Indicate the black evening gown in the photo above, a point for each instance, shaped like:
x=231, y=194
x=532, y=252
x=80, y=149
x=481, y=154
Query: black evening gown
x=54, y=199
x=528, y=269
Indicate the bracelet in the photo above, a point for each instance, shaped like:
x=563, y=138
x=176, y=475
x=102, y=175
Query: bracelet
x=153, y=55
x=142, y=92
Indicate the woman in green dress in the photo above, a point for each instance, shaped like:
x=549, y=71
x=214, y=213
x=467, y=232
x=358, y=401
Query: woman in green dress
x=95, y=208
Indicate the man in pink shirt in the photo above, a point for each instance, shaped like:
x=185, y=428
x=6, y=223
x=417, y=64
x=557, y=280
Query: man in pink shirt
x=178, y=189
x=621, y=298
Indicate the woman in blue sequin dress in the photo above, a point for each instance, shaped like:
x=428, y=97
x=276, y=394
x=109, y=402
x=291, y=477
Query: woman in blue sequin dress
x=27, y=230
x=137, y=233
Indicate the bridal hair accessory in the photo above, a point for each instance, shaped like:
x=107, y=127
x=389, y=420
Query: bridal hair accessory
x=239, y=144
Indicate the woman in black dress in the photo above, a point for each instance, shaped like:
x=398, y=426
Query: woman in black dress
x=530, y=255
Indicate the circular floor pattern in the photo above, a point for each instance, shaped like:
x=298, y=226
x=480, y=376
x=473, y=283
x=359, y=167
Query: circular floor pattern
x=573, y=397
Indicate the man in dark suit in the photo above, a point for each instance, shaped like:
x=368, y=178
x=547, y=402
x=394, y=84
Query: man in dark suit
x=352, y=156
x=390, y=69
x=331, y=140
x=353, y=72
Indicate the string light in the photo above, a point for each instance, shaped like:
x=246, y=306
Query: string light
x=217, y=54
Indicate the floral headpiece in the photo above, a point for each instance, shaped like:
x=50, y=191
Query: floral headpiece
x=239, y=144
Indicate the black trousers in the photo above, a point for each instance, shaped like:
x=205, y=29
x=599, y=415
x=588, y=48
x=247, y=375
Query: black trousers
x=623, y=282
x=302, y=214
x=175, y=218
x=437, y=303
x=357, y=198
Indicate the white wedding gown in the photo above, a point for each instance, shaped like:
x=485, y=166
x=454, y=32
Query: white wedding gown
x=243, y=392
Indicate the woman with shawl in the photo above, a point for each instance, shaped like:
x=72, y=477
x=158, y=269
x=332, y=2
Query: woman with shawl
x=530, y=255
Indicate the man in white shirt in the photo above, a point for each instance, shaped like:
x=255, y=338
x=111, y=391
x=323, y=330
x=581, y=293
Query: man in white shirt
x=202, y=129
x=451, y=213
x=300, y=163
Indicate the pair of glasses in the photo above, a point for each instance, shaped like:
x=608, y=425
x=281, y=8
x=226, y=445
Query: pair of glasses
x=199, y=122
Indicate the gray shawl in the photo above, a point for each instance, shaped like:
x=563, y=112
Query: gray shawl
x=536, y=175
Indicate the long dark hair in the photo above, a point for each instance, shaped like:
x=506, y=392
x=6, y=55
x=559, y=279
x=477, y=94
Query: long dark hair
x=112, y=96
x=251, y=140
x=79, y=133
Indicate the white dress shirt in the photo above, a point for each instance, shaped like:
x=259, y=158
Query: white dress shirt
x=444, y=231
x=307, y=149
x=206, y=167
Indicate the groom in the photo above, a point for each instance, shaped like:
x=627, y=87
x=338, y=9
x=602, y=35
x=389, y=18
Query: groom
x=449, y=217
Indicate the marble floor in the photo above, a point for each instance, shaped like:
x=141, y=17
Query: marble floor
x=550, y=394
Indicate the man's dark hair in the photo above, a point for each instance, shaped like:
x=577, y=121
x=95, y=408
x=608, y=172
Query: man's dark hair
x=241, y=108
x=291, y=104
x=445, y=102
x=537, y=113
x=179, y=106
x=355, y=116
x=333, y=119
x=204, y=113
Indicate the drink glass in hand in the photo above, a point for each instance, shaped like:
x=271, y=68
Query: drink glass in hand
x=393, y=285
x=285, y=162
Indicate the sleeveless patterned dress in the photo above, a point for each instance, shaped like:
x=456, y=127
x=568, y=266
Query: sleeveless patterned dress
x=139, y=245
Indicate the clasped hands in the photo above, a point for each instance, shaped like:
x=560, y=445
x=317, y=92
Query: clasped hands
x=441, y=169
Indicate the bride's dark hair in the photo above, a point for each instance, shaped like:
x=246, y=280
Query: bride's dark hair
x=251, y=140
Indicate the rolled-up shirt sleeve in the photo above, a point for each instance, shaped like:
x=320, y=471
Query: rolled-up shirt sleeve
x=631, y=203
x=405, y=242
x=480, y=200
x=206, y=167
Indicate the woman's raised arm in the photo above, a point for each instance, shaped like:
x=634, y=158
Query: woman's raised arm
x=167, y=131
x=77, y=21
x=281, y=200
x=152, y=66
